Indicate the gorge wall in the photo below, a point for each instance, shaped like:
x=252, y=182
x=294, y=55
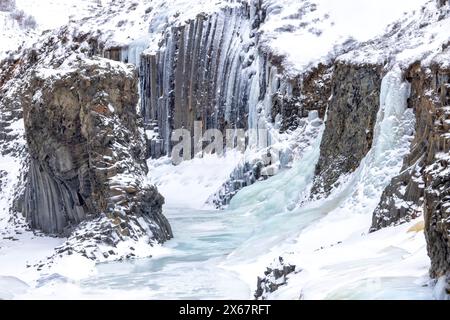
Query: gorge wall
x=202, y=72
x=423, y=185
x=351, y=117
x=212, y=73
x=85, y=156
x=212, y=70
x=88, y=152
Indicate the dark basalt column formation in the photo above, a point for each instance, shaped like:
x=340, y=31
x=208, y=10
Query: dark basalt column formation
x=437, y=178
x=351, y=118
x=202, y=72
x=424, y=183
x=213, y=70
x=87, y=152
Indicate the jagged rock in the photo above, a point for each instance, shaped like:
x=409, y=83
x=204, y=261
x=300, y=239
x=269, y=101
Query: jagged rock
x=351, y=118
x=84, y=161
x=274, y=278
x=316, y=89
x=424, y=183
x=442, y=3
x=437, y=176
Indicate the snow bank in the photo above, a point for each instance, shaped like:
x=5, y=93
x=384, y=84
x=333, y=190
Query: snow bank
x=190, y=184
x=308, y=32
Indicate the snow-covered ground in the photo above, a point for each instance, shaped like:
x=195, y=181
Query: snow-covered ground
x=219, y=254
x=49, y=15
x=390, y=264
x=318, y=30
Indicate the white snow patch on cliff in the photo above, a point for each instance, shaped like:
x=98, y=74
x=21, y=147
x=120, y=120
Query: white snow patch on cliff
x=307, y=32
x=328, y=239
x=419, y=36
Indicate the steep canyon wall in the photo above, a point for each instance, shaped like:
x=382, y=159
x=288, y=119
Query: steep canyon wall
x=85, y=153
x=423, y=185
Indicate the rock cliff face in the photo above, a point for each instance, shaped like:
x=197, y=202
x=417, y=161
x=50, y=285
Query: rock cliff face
x=85, y=169
x=352, y=111
x=437, y=177
x=296, y=108
x=202, y=72
x=87, y=151
x=213, y=71
x=423, y=186
x=442, y=3
x=403, y=198
x=274, y=277
x=305, y=93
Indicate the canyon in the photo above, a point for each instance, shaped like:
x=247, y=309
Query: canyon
x=344, y=166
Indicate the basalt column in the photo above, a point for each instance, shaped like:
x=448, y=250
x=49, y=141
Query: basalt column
x=87, y=153
x=201, y=73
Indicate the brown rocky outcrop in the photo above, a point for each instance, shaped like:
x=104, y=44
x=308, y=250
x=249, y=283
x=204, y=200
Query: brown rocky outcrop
x=423, y=186
x=316, y=89
x=308, y=92
x=437, y=178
